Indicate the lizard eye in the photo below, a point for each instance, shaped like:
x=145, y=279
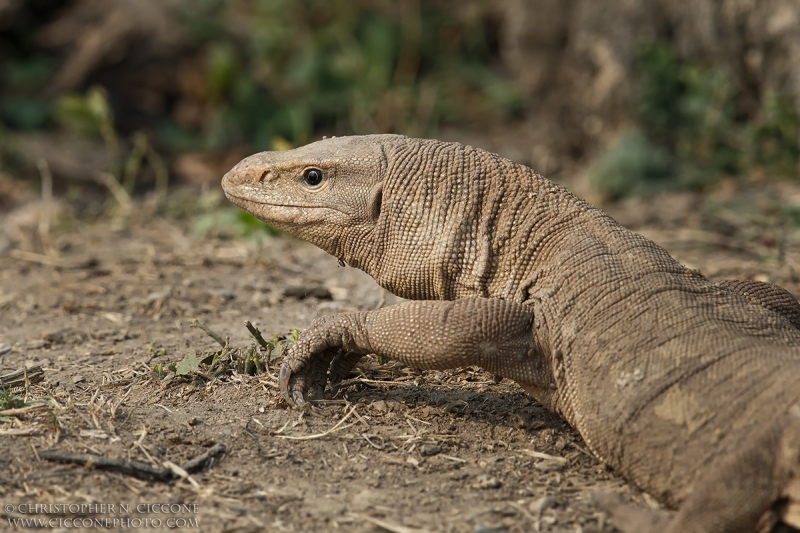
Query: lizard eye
x=312, y=176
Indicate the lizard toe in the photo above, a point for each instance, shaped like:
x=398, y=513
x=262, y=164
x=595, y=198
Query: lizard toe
x=283, y=380
x=293, y=386
x=304, y=376
x=341, y=366
x=298, y=399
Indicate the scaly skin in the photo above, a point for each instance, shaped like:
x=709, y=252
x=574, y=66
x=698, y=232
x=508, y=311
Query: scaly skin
x=687, y=388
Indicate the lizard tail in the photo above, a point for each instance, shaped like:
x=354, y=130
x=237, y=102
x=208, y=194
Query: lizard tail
x=756, y=489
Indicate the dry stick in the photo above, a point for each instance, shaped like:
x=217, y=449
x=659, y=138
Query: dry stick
x=164, y=407
x=23, y=410
x=132, y=468
x=181, y=473
x=17, y=378
x=42, y=259
x=197, y=324
x=117, y=191
x=52, y=261
x=201, y=460
x=324, y=433
x=256, y=335
x=525, y=513
x=134, y=162
x=374, y=445
x=35, y=452
x=282, y=429
x=27, y=383
x=353, y=381
x=15, y=432
x=146, y=453
x=388, y=526
x=544, y=456
x=160, y=169
x=129, y=416
x=115, y=407
x=47, y=206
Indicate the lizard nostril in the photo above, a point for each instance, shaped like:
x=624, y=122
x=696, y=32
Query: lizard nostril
x=263, y=175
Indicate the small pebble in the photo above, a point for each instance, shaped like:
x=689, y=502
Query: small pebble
x=545, y=502
x=430, y=449
x=487, y=482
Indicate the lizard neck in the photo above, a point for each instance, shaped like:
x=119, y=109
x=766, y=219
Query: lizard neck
x=458, y=221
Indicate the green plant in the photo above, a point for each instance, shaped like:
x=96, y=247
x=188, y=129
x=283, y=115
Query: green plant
x=635, y=165
x=9, y=400
x=690, y=109
x=21, y=107
x=232, y=223
x=90, y=115
x=351, y=67
x=772, y=142
x=252, y=360
x=87, y=115
x=693, y=130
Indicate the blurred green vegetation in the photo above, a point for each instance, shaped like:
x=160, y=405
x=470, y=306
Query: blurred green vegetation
x=265, y=75
x=310, y=66
x=634, y=166
x=221, y=220
x=272, y=74
x=23, y=106
x=691, y=131
x=273, y=70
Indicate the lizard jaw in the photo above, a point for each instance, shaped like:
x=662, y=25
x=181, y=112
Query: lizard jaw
x=278, y=212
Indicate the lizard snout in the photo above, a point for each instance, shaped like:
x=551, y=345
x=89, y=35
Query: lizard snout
x=246, y=172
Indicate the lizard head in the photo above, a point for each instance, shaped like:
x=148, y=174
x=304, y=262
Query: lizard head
x=328, y=192
x=410, y=212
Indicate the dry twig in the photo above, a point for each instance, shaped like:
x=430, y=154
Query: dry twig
x=17, y=432
x=257, y=335
x=337, y=427
x=389, y=526
x=197, y=324
x=19, y=378
x=133, y=468
x=24, y=410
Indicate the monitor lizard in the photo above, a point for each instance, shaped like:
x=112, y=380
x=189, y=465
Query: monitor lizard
x=688, y=388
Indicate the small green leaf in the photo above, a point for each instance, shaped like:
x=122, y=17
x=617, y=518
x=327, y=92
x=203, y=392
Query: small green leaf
x=190, y=363
x=276, y=352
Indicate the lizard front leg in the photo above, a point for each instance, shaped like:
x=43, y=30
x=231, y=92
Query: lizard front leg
x=496, y=335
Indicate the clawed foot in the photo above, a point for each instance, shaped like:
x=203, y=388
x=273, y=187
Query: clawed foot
x=295, y=397
x=303, y=378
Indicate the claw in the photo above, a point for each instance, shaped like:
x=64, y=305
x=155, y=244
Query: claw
x=294, y=397
x=283, y=381
x=299, y=401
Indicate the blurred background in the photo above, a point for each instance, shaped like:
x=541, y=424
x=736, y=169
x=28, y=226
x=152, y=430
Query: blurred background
x=104, y=101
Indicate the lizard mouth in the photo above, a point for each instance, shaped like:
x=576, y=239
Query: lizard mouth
x=254, y=206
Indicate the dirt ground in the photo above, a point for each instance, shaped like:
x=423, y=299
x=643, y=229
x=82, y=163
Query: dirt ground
x=419, y=451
